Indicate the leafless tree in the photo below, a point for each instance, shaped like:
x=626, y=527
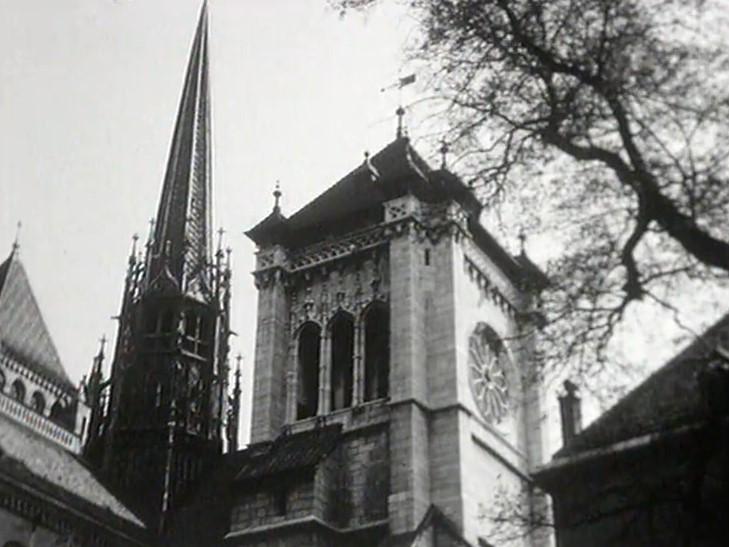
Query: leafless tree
x=605, y=121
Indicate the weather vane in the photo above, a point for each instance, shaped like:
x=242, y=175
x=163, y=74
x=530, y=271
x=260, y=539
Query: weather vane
x=400, y=112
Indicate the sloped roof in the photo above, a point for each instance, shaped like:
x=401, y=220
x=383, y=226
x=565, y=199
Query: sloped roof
x=394, y=171
x=667, y=399
x=357, y=199
x=23, y=332
x=39, y=463
x=290, y=451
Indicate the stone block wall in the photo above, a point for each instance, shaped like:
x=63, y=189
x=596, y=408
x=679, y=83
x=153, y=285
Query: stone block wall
x=270, y=362
x=24, y=532
x=365, y=454
x=258, y=506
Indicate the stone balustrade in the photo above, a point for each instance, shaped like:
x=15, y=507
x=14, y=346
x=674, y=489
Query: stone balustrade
x=40, y=424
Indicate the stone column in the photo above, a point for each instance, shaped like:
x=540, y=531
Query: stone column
x=409, y=468
x=292, y=383
x=325, y=376
x=272, y=344
x=358, y=373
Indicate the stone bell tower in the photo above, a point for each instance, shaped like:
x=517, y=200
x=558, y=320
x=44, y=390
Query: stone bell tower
x=387, y=308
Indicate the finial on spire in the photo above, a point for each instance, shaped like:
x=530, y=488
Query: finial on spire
x=277, y=197
x=150, y=236
x=133, y=252
x=102, y=345
x=221, y=232
x=16, y=241
x=400, y=112
x=443, y=154
x=522, y=240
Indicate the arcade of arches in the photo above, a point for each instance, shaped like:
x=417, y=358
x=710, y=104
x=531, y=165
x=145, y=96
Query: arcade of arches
x=346, y=350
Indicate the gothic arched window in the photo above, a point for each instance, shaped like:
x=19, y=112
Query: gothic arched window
x=377, y=352
x=38, y=402
x=18, y=391
x=63, y=414
x=342, y=332
x=307, y=396
x=2, y=381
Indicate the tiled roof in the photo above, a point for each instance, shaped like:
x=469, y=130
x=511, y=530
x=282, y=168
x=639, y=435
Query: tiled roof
x=37, y=462
x=23, y=332
x=667, y=399
x=289, y=451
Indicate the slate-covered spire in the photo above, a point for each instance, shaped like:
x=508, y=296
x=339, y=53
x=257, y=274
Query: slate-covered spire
x=182, y=233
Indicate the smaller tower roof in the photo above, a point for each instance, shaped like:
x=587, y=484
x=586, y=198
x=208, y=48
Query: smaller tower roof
x=23, y=332
x=394, y=171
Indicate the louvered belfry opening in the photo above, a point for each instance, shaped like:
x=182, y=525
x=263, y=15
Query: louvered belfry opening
x=309, y=345
x=342, y=334
x=377, y=353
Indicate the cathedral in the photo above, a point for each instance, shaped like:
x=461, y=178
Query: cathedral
x=393, y=400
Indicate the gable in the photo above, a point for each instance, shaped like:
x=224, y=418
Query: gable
x=23, y=332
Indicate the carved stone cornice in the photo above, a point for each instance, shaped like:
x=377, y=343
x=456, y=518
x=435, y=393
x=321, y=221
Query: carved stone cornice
x=489, y=287
x=350, y=287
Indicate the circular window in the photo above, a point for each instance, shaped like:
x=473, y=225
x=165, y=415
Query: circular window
x=489, y=363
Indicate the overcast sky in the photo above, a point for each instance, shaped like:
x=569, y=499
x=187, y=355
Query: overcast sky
x=88, y=95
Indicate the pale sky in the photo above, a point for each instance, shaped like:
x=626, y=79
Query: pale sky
x=88, y=95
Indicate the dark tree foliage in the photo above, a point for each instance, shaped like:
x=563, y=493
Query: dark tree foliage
x=605, y=121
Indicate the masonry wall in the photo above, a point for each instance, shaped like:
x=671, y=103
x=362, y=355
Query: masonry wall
x=409, y=467
x=268, y=405
x=14, y=528
x=672, y=491
x=365, y=456
x=443, y=447
x=257, y=507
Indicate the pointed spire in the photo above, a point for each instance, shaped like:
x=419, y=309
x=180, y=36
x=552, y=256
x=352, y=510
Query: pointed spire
x=102, y=345
x=183, y=228
x=234, y=409
x=221, y=233
x=133, y=252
